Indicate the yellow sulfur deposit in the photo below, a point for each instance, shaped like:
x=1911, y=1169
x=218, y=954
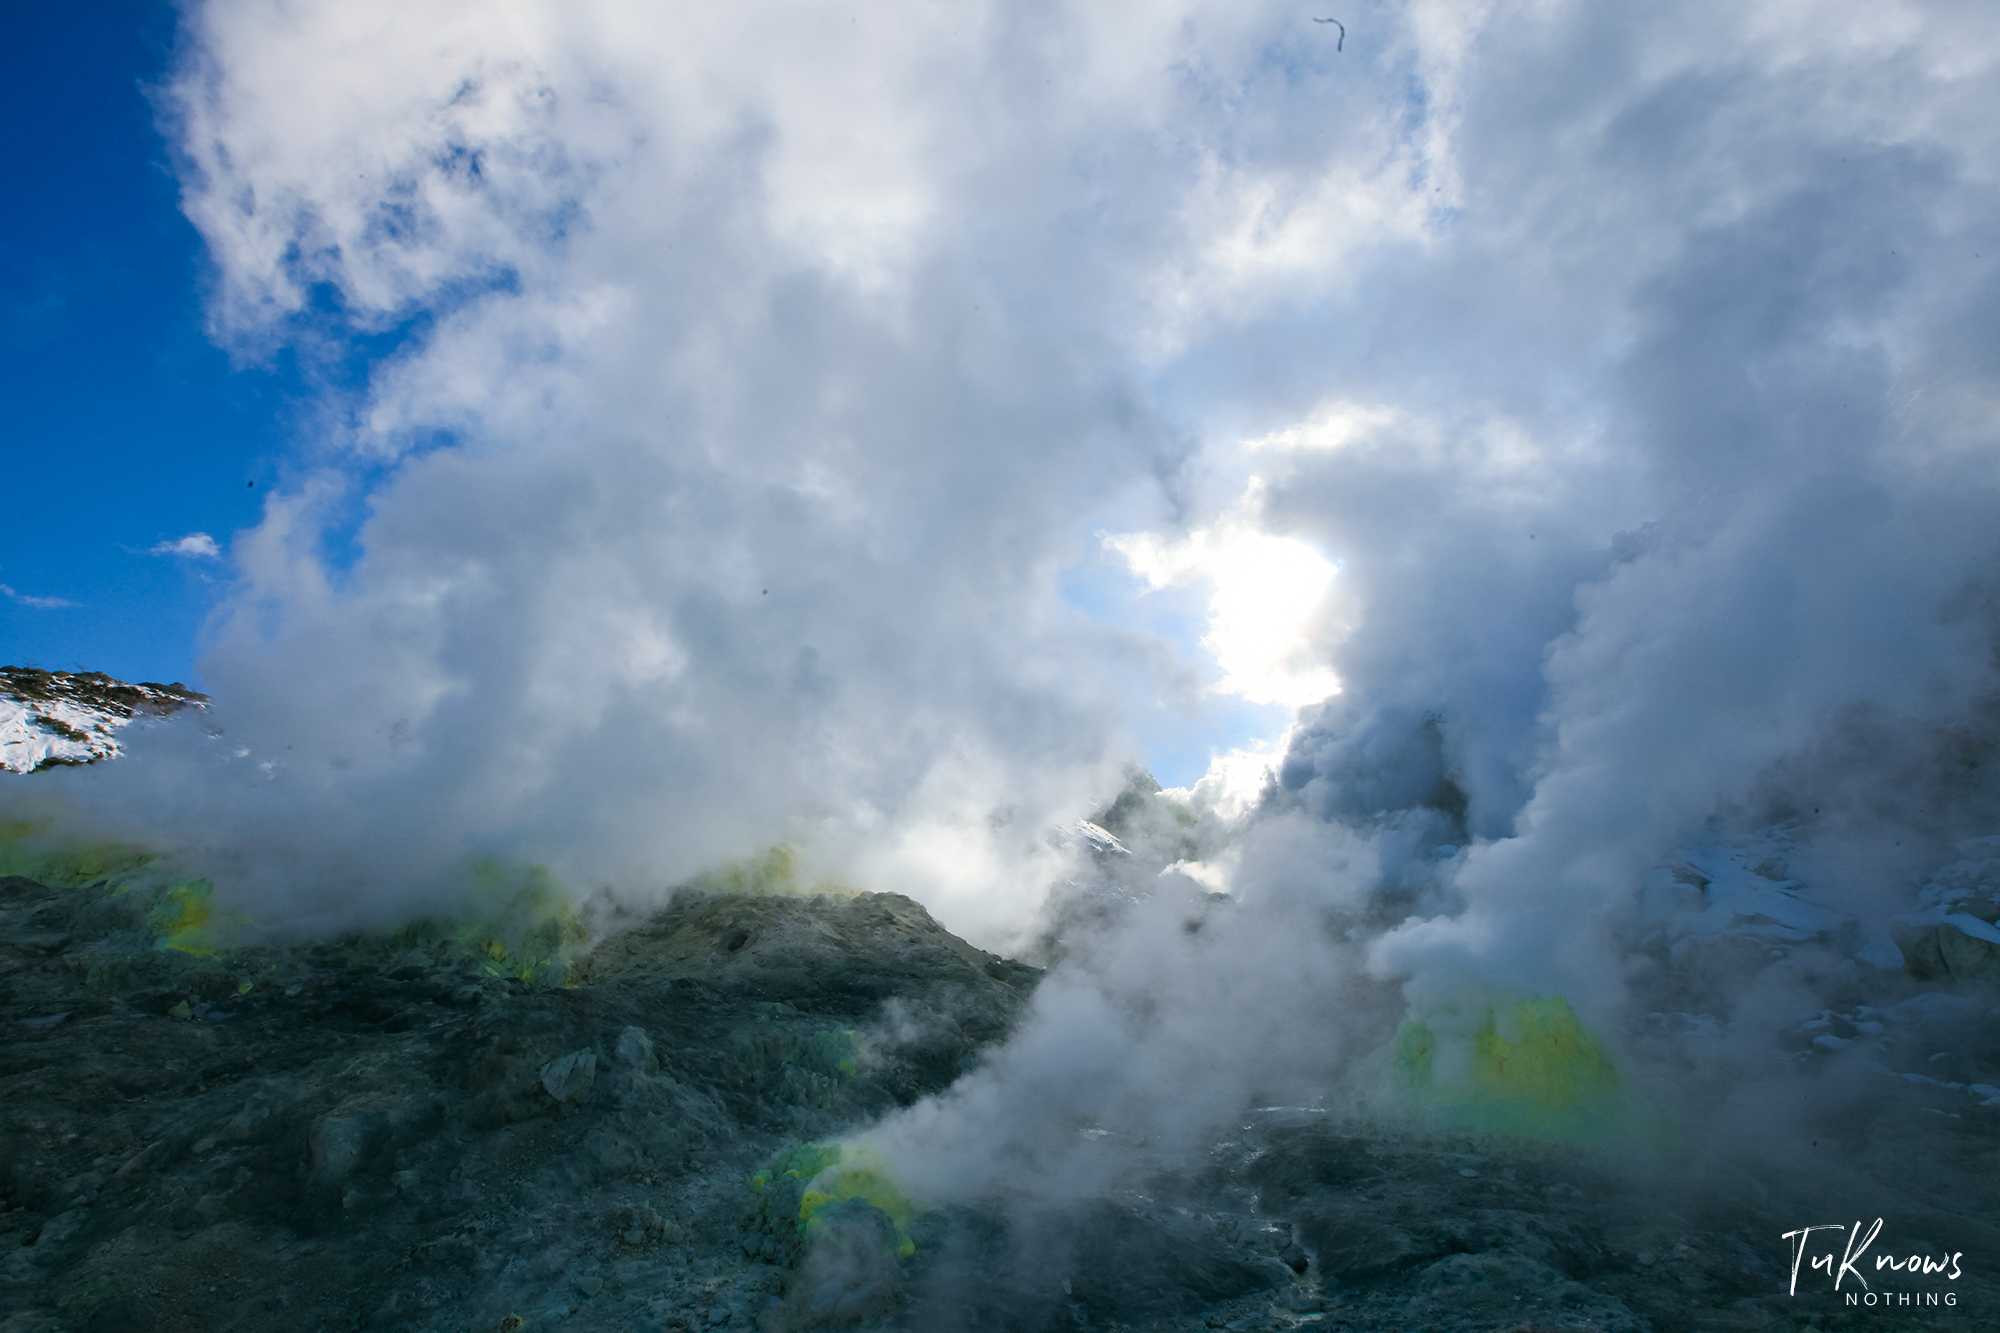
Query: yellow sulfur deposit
x=1530, y=1068
x=774, y=874
x=183, y=916
x=64, y=862
x=529, y=929
x=1555, y=1062
x=834, y=1175
x=861, y=1177
x=534, y=935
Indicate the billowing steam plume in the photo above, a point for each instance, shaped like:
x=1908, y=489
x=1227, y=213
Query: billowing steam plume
x=1613, y=390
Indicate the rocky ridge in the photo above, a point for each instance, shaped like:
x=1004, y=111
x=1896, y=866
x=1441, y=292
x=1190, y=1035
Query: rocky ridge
x=55, y=718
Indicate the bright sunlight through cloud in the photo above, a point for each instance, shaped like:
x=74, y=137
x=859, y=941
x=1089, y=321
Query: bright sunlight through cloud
x=1265, y=594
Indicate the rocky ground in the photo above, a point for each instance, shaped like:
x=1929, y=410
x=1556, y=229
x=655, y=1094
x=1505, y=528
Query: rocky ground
x=379, y=1131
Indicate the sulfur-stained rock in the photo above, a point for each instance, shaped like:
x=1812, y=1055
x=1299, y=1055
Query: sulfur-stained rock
x=362, y=1128
x=379, y=1132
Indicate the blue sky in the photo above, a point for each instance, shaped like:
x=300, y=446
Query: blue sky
x=133, y=429
x=720, y=412
x=837, y=425
x=125, y=426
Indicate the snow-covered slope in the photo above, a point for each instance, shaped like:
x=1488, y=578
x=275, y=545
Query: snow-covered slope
x=73, y=717
x=1745, y=889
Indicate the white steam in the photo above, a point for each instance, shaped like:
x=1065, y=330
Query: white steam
x=1601, y=400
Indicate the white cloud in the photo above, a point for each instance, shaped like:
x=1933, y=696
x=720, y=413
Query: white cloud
x=196, y=545
x=40, y=603
x=1617, y=389
x=1659, y=473
x=1265, y=592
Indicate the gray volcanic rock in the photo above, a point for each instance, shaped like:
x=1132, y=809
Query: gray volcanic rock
x=355, y=1132
x=377, y=1131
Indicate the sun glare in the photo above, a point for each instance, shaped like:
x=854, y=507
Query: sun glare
x=1264, y=593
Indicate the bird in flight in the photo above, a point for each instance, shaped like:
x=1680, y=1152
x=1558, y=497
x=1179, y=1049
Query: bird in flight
x=1343, y=31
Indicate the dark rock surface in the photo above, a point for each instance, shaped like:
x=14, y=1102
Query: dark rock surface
x=97, y=691
x=358, y=1133
x=377, y=1132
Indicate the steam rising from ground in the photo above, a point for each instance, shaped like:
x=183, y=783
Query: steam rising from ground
x=757, y=372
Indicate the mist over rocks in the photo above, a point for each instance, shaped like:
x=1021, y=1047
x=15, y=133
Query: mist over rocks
x=1613, y=447
x=1194, y=1116
x=379, y=1130
x=726, y=488
x=1548, y=448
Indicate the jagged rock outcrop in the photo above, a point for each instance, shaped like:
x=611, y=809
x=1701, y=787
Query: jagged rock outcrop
x=55, y=718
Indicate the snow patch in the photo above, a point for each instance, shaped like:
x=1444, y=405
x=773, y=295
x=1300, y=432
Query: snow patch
x=50, y=718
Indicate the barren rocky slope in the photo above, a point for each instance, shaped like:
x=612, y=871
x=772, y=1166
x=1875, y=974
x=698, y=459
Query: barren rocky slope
x=378, y=1132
